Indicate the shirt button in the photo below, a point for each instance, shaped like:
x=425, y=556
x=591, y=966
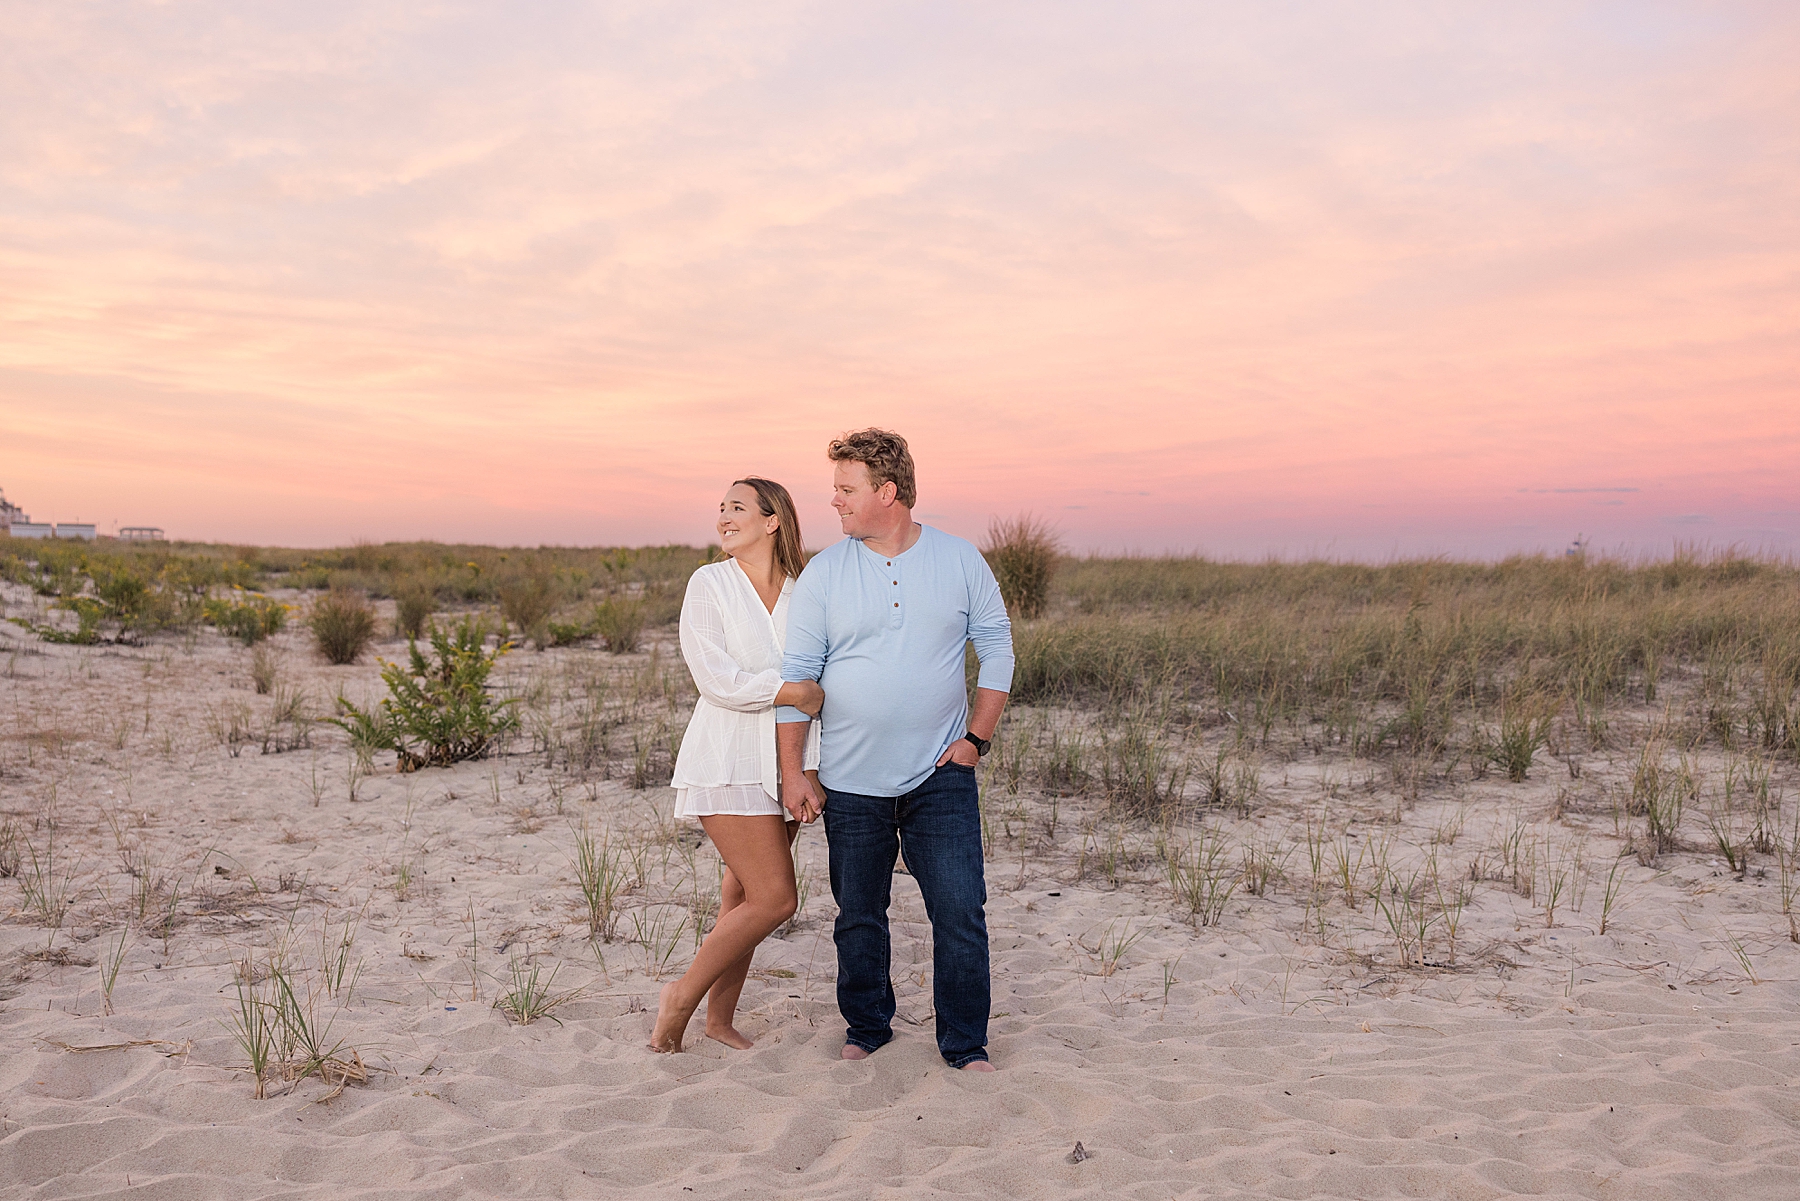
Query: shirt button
x=896, y=604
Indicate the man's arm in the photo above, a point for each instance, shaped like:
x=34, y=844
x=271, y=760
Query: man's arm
x=804, y=658
x=991, y=632
x=984, y=719
x=798, y=794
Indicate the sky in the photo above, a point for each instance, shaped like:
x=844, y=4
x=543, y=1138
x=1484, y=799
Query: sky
x=1359, y=280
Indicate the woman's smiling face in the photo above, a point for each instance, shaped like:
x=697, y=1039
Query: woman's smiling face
x=742, y=524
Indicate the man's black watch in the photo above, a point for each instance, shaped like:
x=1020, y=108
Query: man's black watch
x=982, y=745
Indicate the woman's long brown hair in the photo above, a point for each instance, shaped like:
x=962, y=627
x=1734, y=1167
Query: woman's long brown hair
x=775, y=502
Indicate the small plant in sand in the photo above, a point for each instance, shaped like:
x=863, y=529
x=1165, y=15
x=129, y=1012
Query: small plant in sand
x=1022, y=552
x=598, y=876
x=246, y=616
x=1741, y=954
x=413, y=602
x=659, y=939
x=278, y=1026
x=438, y=711
x=265, y=668
x=1112, y=945
x=619, y=623
x=527, y=602
x=48, y=892
x=109, y=970
x=9, y=851
x=342, y=625
x=531, y=995
x=252, y=1027
x=1609, y=900
x=1524, y=729
x=1202, y=877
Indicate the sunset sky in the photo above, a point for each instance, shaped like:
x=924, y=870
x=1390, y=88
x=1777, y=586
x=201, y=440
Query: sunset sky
x=1355, y=279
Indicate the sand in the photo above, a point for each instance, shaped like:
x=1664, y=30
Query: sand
x=1258, y=1057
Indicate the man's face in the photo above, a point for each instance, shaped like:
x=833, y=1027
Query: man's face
x=860, y=505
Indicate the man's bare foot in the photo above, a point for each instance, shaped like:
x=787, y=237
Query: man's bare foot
x=671, y=1024
x=977, y=1065
x=730, y=1037
x=852, y=1051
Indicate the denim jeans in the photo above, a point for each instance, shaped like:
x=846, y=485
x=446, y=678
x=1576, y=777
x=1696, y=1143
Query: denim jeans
x=938, y=827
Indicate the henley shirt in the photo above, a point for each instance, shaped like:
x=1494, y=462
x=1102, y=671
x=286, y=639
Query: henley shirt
x=884, y=636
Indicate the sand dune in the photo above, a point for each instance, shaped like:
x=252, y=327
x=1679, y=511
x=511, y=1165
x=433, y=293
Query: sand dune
x=1251, y=1058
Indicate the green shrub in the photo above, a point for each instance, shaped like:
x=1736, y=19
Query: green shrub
x=619, y=623
x=249, y=620
x=1022, y=552
x=436, y=713
x=567, y=633
x=125, y=593
x=343, y=625
x=413, y=601
x=527, y=602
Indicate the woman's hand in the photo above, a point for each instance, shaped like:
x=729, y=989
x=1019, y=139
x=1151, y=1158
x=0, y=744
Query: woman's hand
x=804, y=695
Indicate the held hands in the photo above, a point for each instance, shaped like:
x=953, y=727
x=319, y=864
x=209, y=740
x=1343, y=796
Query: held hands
x=804, y=695
x=802, y=798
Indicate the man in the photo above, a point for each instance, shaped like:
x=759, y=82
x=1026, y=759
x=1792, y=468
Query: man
x=882, y=620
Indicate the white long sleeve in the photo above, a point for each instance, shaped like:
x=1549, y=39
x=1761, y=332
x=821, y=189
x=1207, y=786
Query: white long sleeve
x=733, y=647
x=718, y=676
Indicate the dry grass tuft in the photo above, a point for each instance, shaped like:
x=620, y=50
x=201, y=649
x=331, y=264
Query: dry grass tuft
x=343, y=625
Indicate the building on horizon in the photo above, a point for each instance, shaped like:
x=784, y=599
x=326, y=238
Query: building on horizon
x=11, y=514
x=18, y=523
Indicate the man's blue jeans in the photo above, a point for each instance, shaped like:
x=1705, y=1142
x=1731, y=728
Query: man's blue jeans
x=938, y=827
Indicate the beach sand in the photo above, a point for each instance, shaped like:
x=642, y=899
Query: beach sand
x=1256, y=1057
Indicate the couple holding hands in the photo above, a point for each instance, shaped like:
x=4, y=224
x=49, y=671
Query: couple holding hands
x=835, y=689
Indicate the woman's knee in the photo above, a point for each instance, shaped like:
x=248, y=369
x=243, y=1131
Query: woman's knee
x=775, y=905
x=786, y=907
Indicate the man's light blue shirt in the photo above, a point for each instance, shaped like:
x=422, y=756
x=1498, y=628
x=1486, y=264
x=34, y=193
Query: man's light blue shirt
x=885, y=637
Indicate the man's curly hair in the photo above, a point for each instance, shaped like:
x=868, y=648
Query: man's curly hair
x=884, y=453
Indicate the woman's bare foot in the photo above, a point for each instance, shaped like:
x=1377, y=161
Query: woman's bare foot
x=729, y=1036
x=852, y=1051
x=977, y=1065
x=671, y=1024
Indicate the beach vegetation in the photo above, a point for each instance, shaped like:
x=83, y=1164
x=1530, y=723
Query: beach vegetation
x=619, y=623
x=265, y=669
x=531, y=995
x=245, y=616
x=439, y=710
x=1023, y=553
x=527, y=600
x=343, y=626
x=414, y=600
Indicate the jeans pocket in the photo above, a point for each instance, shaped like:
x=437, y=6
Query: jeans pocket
x=953, y=765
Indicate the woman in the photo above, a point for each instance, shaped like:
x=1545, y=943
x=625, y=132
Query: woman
x=733, y=631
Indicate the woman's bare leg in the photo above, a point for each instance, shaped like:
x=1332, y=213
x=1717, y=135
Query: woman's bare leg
x=722, y=999
x=756, y=851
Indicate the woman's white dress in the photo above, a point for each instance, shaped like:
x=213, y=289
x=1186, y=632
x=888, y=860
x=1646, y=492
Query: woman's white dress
x=733, y=647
